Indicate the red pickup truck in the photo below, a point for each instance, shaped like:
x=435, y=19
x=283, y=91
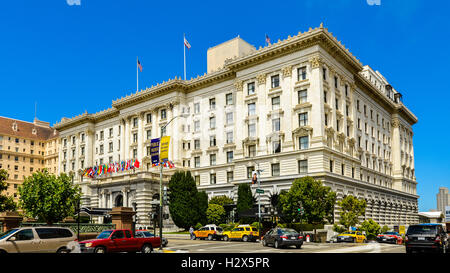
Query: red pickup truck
x=119, y=240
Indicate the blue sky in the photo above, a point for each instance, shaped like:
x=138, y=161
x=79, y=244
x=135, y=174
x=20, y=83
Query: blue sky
x=70, y=58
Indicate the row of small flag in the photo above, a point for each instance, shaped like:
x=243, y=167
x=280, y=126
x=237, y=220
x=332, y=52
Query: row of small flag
x=111, y=168
x=166, y=164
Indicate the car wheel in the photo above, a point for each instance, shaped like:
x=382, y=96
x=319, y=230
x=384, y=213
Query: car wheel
x=298, y=247
x=245, y=238
x=263, y=242
x=354, y=240
x=210, y=237
x=226, y=238
x=276, y=245
x=100, y=249
x=62, y=250
x=147, y=248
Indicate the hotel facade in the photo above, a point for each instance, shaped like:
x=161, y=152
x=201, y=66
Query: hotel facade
x=304, y=106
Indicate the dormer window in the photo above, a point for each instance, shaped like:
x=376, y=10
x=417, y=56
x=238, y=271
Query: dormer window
x=14, y=127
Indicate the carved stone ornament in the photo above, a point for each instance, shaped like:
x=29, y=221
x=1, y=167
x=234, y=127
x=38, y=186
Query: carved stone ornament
x=395, y=123
x=239, y=85
x=302, y=131
x=315, y=62
x=287, y=71
x=261, y=78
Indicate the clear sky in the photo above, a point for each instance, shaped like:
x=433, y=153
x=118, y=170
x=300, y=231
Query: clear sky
x=70, y=56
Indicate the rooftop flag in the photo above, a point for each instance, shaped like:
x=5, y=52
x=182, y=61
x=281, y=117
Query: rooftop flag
x=186, y=43
x=267, y=39
x=139, y=65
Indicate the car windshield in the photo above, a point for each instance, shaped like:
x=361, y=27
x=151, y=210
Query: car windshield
x=104, y=234
x=422, y=229
x=7, y=233
x=390, y=233
x=288, y=231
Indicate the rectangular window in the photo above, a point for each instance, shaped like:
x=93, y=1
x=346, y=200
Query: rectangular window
x=212, y=141
x=135, y=124
x=250, y=171
x=149, y=134
x=251, y=88
x=326, y=119
x=276, y=146
x=110, y=132
x=149, y=118
x=335, y=82
x=342, y=169
x=196, y=126
x=229, y=177
x=163, y=114
x=110, y=147
x=230, y=118
x=101, y=135
x=196, y=108
x=212, y=159
x=135, y=137
x=331, y=165
x=303, y=166
x=251, y=109
x=303, y=119
x=134, y=153
x=212, y=122
x=304, y=142
x=324, y=72
x=301, y=73
x=230, y=157
x=212, y=178
x=197, y=144
x=197, y=179
x=252, y=130
x=325, y=96
x=229, y=137
x=276, y=124
x=212, y=104
x=302, y=96
x=275, y=81
x=149, y=150
x=197, y=161
x=229, y=98
x=275, y=103
x=252, y=150
x=275, y=169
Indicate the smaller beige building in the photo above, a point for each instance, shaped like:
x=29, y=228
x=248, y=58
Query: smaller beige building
x=26, y=147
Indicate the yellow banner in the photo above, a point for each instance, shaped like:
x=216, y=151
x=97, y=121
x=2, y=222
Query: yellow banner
x=164, y=150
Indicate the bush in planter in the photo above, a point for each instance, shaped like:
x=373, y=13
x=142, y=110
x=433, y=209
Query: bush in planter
x=371, y=228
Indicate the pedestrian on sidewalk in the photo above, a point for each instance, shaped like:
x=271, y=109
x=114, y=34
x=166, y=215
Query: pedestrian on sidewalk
x=191, y=231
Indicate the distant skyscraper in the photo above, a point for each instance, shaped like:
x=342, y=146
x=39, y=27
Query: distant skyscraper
x=442, y=198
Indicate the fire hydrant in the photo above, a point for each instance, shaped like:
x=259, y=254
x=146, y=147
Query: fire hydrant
x=307, y=238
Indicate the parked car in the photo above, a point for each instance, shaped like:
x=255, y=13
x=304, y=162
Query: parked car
x=333, y=239
x=119, y=240
x=281, y=237
x=242, y=232
x=148, y=234
x=209, y=232
x=36, y=240
x=390, y=237
x=426, y=237
x=351, y=237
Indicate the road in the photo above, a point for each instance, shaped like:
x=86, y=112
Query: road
x=204, y=246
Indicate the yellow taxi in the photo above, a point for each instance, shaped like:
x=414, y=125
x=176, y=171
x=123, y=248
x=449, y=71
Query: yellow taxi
x=351, y=237
x=209, y=232
x=242, y=232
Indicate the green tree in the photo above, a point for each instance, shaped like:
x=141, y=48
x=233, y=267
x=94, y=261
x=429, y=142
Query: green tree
x=371, y=228
x=221, y=200
x=351, y=209
x=384, y=229
x=317, y=201
x=245, y=198
x=6, y=202
x=202, y=207
x=184, y=200
x=48, y=197
x=215, y=214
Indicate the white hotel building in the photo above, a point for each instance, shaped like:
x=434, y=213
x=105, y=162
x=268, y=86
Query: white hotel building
x=301, y=106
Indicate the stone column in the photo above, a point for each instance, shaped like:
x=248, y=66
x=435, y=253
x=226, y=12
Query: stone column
x=316, y=97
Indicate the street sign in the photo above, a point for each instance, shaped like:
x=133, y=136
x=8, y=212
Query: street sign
x=259, y=191
x=401, y=230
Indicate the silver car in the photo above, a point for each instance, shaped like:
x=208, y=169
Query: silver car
x=36, y=239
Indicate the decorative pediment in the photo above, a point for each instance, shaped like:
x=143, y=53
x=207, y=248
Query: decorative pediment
x=275, y=136
x=250, y=141
x=302, y=131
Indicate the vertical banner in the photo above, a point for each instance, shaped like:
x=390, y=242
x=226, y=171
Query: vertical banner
x=154, y=150
x=164, y=154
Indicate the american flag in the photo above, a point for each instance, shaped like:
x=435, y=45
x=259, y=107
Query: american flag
x=186, y=43
x=267, y=39
x=139, y=65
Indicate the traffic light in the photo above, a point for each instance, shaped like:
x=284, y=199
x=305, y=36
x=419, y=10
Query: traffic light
x=166, y=193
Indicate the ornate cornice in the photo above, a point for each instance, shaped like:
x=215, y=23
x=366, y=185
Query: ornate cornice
x=287, y=71
x=261, y=78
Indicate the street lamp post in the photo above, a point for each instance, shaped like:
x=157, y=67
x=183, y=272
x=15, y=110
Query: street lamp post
x=161, y=188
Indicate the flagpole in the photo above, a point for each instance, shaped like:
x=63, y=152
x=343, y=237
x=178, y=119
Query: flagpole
x=184, y=52
x=137, y=74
